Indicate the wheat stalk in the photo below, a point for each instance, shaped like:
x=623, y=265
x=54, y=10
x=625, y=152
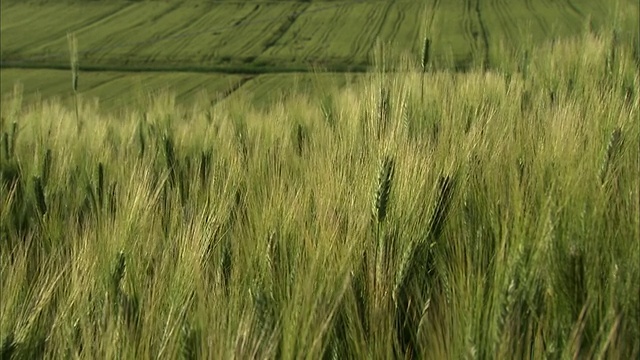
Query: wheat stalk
x=75, y=69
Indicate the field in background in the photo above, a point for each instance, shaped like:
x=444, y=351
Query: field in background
x=183, y=34
x=271, y=37
x=117, y=91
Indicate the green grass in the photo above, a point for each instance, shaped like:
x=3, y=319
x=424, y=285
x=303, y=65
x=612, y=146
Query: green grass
x=281, y=34
x=492, y=214
x=115, y=91
x=253, y=38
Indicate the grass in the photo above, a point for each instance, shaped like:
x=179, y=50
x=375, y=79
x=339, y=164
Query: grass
x=505, y=218
x=117, y=90
x=280, y=34
x=174, y=42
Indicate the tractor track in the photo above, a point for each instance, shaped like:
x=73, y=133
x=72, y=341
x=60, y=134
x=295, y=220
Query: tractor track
x=568, y=14
x=212, y=55
x=484, y=34
x=397, y=24
x=235, y=87
x=362, y=34
x=80, y=27
x=574, y=8
x=326, y=34
x=467, y=25
x=536, y=16
x=282, y=30
x=103, y=83
x=506, y=20
x=136, y=49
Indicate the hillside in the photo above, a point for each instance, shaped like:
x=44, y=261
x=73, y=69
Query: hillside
x=259, y=37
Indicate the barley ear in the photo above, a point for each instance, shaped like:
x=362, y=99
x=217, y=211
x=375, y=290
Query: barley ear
x=100, y=189
x=39, y=194
x=141, y=139
x=170, y=157
x=14, y=136
x=381, y=198
x=116, y=276
x=5, y=146
x=443, y=202
x=46, y=167
x=613, y=149
x=300, y=138
x=426, y=49
x=205, y=165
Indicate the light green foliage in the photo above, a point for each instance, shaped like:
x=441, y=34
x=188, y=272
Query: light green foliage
x=183, y=44
x=510, y=226
x=281, y=35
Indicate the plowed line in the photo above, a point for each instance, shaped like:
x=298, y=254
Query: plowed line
x=483, y=33
x=467, y=26
x=323, y=40
x=536, y=16
x=575, y=9
x=238, y=22
x=78, y=28
x=138, y=47
x=249, y=44
x=103, y=83
x=284, y=28
x=397, y=25
x=235, y=87
x=372, y=40
x=504, y=18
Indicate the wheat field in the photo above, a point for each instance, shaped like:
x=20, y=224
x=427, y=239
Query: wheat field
x=414, y=214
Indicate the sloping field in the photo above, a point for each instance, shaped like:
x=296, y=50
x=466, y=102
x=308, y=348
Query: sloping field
x=252, y=38
x=115, y=89
x=146, y=34
x=277, y=35
x=264, y=90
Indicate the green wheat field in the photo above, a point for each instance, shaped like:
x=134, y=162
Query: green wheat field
x=320, y=179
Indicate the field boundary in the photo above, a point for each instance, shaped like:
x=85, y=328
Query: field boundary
x=239, y=69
